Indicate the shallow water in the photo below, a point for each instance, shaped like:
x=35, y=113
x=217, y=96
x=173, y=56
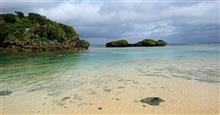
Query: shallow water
x=199, y=62
x=57, y=73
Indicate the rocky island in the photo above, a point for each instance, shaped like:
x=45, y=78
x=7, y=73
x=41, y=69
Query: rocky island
x=143, y=43
x=36, y=32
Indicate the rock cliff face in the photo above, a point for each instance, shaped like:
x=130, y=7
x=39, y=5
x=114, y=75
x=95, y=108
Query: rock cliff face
x=36, y=32
x=143, y=43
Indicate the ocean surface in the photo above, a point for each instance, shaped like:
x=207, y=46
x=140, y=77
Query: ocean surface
x=65, y=70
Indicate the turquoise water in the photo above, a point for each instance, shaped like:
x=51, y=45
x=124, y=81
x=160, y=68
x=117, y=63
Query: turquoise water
x=53, y=70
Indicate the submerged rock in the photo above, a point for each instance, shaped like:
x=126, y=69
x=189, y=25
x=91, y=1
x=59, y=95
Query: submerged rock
x=99, y=108
x=152, y=101
x=65, y=98
x=6, y=92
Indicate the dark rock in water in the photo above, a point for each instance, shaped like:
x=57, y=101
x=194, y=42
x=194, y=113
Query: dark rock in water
x=65, y=98
x=152, y=100
x=99, y=108
x=6, y=92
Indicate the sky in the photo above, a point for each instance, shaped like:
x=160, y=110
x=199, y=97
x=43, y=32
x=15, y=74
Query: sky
x=100, y=21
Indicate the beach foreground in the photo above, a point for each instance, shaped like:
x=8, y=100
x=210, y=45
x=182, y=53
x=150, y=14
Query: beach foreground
x=181, y=96
x=89, y=84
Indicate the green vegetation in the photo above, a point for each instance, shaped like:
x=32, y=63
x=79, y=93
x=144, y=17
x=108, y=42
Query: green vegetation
x=117, y=43
x=37, y=32
x=151, y=42
x=145, y=43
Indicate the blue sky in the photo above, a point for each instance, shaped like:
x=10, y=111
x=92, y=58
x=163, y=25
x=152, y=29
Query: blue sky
x=99, y=21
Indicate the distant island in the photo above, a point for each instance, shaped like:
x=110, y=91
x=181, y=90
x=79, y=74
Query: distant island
x=36, y=32
x=143, y=43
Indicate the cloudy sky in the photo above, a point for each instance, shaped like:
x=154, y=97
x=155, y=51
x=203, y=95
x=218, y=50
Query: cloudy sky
x=99, y=21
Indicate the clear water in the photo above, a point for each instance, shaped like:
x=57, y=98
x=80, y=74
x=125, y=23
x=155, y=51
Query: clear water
x=58, y=71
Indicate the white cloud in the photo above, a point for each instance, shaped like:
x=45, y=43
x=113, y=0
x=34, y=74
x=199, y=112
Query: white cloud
x=152, y=29
x=203, y=12
x=137, y=12
x=83, y=12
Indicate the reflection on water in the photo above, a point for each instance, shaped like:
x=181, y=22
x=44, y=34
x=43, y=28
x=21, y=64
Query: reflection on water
x=20, y=65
